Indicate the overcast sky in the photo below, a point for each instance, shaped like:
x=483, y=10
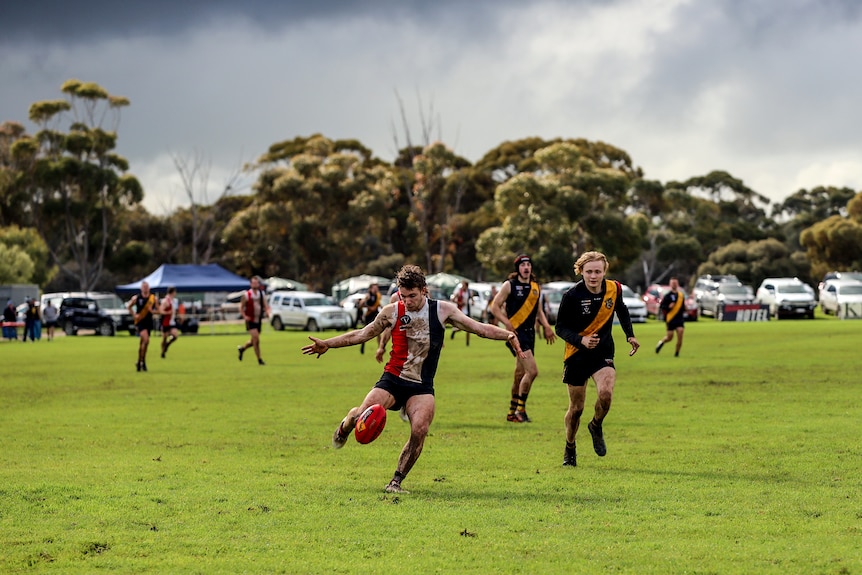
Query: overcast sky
x=768, y=90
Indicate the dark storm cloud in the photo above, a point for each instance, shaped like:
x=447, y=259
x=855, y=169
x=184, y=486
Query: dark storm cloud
x=88, y=20
x=766, y=89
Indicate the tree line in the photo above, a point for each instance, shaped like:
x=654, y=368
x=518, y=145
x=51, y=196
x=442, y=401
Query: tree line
x=321, y=209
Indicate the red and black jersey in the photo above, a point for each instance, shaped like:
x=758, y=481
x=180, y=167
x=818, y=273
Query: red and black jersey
x=417, y=338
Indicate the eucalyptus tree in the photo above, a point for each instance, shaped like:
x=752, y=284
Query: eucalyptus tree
x=557, y=201
x=804, y=208
x=31, y=244
x=753, y=261
x=74, y=182
x=437, y=186
x=836, y=242
x=318, y=212
x=13, y=197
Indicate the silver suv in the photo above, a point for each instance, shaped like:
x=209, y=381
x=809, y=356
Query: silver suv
x=708, y=283
x=787, y=297
x=726, y=293
x=310, y=311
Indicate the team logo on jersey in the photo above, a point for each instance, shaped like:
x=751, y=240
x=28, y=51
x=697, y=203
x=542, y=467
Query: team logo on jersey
x=404, y=320
x=585, y=306
x=609, y=303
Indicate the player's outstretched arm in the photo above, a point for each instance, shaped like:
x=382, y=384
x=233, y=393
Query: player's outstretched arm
x=320, y=346
x=460, y=320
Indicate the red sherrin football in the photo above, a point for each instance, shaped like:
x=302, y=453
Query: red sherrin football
x=370, y=423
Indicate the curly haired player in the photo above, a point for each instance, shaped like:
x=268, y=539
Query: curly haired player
x=417, y=336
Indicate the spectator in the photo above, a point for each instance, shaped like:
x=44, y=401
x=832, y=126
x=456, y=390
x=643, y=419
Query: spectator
x=49, y=316
x=10, y=319
x=30, y=318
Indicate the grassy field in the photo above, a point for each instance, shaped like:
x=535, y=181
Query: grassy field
x=741, y=456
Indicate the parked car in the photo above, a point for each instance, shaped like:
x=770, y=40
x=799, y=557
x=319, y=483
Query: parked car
x=786, y=297
x=352, y=303
x=84, y=313
x=311, y=311
x=111, y=304
x=708, y=283
x=637, y=308
x=21, y=311
x=562, y=286
x=711, y=301
x=838, y=276
x=480, y=294
x=836, y=294
x=229, y=309
x=108, y=302
x=653, y=296
x=553, y=297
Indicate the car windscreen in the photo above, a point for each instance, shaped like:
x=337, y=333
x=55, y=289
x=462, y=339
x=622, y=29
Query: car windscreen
x=850, y=290
x=109, y=301
x=733, y=289
x=627, y=292
x=553, y=296
x=313, y=301
x=791, y=288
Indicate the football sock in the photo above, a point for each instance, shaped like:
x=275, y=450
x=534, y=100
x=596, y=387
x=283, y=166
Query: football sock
x=513, y=404
x=570, y=445
x=522, y=402
x=398, y=477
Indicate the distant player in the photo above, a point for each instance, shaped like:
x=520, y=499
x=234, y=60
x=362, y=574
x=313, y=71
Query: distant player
x=371, y=306
x=168, y=311
x=142, y=306
x=254, y=308
x=672, y=307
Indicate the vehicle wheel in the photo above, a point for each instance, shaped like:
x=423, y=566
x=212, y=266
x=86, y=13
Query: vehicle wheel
x=106, y=328
x=312, y=325
x=277, y=324
x=811, y=314
x=69, y=328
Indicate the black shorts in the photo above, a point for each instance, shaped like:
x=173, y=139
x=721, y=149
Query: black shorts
x=577, y=371
x=401, y=389
x=145, y=324
x=677, y=322
x=527, y=339
x=50, y=324
x=249, y=325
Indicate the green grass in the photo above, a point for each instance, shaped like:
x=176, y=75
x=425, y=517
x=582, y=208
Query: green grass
x=741, y=456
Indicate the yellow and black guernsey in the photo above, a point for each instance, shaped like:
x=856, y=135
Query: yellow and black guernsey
x=522, y=305
x=584, y=313
x=671, y=306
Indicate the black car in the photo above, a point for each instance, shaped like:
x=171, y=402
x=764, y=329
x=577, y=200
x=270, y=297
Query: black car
x=84, y=313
